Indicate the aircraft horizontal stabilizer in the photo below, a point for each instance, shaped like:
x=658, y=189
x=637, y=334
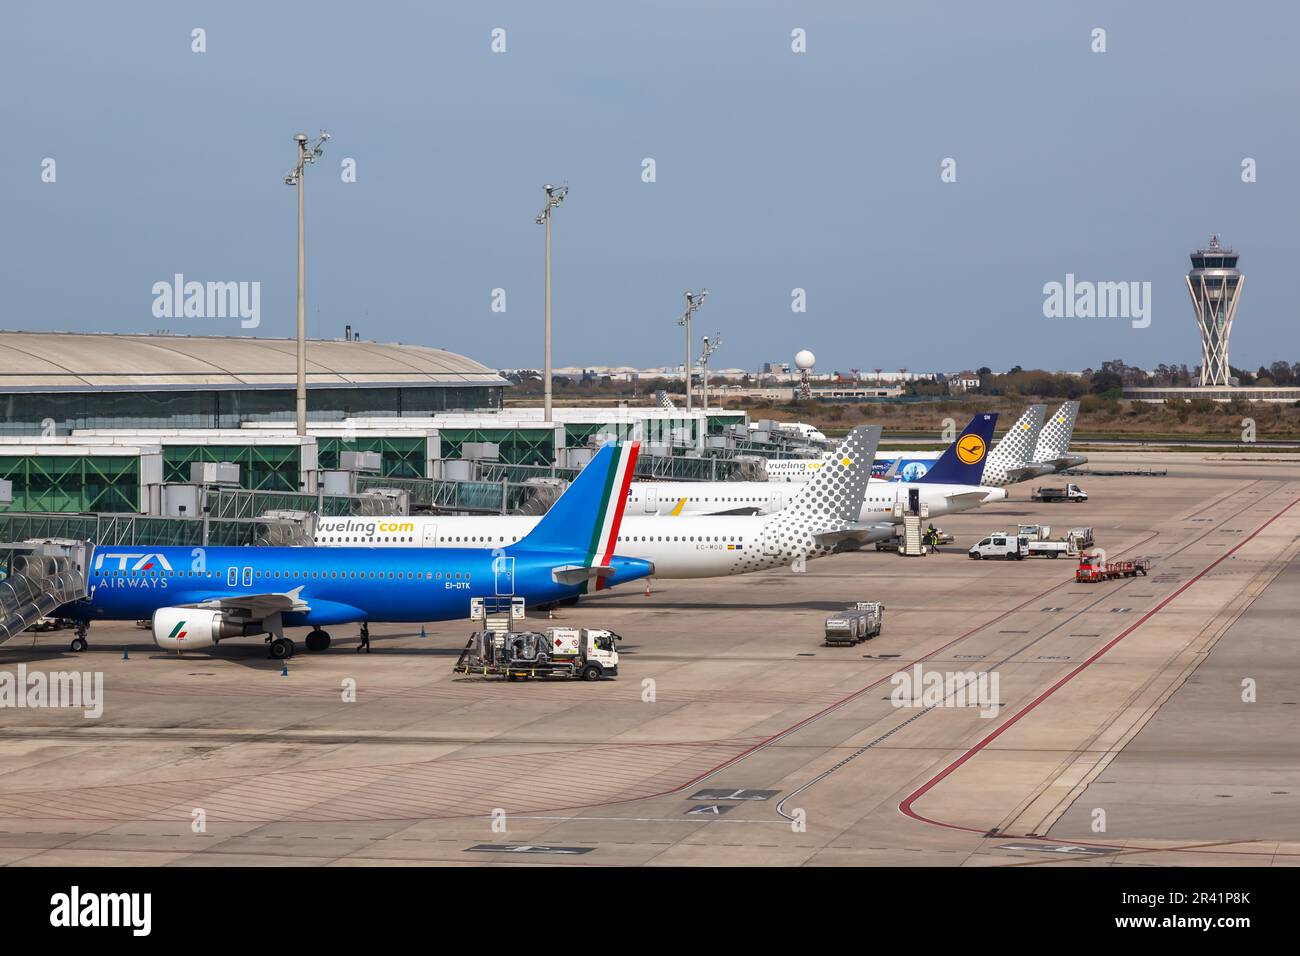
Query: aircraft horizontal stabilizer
x=859, y=532
x=579, y=573
x=973, y=497
x=1061, y=464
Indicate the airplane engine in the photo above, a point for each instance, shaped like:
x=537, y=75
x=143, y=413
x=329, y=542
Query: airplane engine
x=191, y=628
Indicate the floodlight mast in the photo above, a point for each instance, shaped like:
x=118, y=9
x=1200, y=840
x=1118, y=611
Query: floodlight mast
x=693, y=302
x=554, y=196
x=710, y=346
x=307, y=153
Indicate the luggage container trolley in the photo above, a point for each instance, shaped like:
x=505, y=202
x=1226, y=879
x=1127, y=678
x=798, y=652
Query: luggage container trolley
x=857, y=622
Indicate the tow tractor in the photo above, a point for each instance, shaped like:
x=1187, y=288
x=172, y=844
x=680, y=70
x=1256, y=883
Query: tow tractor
x=1093, y=568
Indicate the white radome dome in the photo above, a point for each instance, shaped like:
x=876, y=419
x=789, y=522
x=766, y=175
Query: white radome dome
x=805, y=360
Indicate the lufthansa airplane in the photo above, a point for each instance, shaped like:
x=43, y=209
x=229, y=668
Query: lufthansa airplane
x=197, y=597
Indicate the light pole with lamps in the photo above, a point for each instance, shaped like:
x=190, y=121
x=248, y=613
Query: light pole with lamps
x=693, y=302
x=307, y=153
x=709, y=348
x=554, y=196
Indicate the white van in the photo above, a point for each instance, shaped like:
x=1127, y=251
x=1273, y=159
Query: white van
x=999, y=544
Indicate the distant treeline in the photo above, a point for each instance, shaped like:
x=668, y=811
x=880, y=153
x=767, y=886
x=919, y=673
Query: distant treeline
x=1115, y=375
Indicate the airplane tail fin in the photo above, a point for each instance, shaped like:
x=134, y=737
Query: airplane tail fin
x=1054, y=439
x=587, y=516
x=837, y=489
x=1012, y=458
x=962, y=463
x=663, y=401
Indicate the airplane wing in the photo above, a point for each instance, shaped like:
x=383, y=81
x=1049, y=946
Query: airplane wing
x=968, y=497
x=258, y=606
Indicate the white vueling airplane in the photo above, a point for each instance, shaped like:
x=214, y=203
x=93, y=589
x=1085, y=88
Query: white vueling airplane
x=1052, y=452
x=823, y=518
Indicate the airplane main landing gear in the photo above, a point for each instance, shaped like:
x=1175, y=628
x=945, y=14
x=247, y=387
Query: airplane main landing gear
x=281, y=648
x=318, y=640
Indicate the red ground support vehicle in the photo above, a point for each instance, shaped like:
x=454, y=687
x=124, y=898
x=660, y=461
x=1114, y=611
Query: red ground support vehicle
x=1092, y=567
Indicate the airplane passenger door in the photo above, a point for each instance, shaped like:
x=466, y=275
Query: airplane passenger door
x=503, y=567
x=651, y=500
x=430, y=539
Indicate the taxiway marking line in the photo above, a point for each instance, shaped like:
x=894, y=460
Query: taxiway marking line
x=906, y=806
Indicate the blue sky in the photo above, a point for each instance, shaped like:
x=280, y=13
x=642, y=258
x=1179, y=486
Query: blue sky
x=774, y=171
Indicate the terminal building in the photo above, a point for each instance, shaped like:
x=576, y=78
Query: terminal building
x=52, y=383
x=101, y=423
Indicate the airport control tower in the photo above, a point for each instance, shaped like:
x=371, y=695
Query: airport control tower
x=1215, y=284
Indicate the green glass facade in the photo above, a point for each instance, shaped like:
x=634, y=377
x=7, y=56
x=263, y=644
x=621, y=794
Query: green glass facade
x=719, y=421
x=73, y=482
x=26, y=413
x=532, y=446
x=261, y=467
x=398, y=457
x=577, y=435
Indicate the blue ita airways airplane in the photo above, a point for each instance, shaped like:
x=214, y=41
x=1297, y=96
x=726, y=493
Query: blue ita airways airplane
x=197, y=597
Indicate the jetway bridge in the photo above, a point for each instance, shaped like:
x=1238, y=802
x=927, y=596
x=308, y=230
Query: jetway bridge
x=39, y=579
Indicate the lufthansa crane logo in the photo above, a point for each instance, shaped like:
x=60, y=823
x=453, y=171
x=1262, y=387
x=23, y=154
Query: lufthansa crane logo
x=970, y=449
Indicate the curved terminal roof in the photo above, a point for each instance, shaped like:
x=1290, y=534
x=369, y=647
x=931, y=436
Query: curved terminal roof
x=75, y=361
